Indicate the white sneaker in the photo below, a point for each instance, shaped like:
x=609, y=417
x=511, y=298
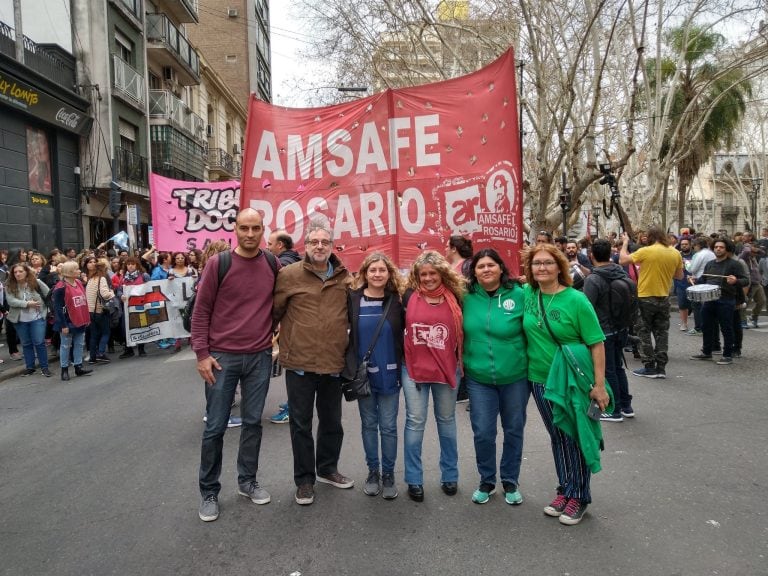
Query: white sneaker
x=683, y=327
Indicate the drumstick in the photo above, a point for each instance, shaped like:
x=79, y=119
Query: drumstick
x=715, y=275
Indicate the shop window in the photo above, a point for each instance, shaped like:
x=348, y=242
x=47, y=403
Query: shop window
x=38, y=161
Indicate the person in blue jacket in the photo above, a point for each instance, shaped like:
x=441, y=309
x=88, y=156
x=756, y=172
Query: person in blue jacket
x=377, y=283
x=496, y=372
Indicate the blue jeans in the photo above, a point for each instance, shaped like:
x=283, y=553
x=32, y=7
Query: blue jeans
x=32, y=337
x=416, y=405
x=378, y=415
x=252, y=372
x=73, y=340
x=614, y=370
x=718, y=314
x=99, y=334
x=487, y=402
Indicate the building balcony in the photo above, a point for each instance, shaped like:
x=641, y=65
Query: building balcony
x=48, y=59
x=130, y=167
x=729, y=210
x=165, y=108
x=222, y=162
x=176, y=155
x=184, y=11
x=128, y=83
x=167, y=46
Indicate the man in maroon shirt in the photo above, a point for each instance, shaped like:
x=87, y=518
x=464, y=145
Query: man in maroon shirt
x=232, y=338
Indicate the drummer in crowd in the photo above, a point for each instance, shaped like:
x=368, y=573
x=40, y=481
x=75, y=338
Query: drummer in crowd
x=659, y=263
x=701, y=255
x=727, y=274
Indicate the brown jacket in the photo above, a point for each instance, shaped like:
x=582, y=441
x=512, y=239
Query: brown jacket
x=313, y=317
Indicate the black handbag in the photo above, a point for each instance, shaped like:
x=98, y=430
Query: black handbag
x=360, y=386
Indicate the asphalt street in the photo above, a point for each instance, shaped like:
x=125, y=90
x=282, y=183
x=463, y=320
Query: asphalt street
x=99, y=477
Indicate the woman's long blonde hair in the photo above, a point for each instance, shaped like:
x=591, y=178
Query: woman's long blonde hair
x=449, y=276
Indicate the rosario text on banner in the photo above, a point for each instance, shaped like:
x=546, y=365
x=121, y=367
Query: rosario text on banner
x=399, y=171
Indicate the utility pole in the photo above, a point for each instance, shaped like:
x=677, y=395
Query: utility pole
x=18, y=32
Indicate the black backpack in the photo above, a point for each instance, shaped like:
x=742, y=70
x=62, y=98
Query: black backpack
x=622, y=302
x=225, y=261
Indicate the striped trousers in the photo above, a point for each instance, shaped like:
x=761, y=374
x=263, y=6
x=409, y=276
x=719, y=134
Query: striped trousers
x=572, y=472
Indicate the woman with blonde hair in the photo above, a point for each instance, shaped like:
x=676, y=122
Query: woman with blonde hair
x=375, y=293
x=27, y=311
x=71, y=318
x=433, y=347
x=98, y=291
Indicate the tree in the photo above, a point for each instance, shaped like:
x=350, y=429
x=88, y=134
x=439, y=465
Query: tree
x=706, y=101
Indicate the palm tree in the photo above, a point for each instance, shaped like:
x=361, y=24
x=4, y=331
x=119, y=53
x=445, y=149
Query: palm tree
x=708, y=102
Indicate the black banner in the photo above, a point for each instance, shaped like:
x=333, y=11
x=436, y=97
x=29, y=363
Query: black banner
x=22, y=96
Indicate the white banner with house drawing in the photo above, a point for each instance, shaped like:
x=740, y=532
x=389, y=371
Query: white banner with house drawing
x=153, y=310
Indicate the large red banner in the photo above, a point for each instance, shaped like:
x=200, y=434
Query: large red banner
x=399, y=171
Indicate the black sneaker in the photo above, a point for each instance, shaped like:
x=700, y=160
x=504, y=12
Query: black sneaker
x=573, y=513
x=28, y=372
x=102, y=359
x=127, y=354
x=661, y=373
x=46, y=372
x=701, y=357
x=646, y=372
x=725, y=360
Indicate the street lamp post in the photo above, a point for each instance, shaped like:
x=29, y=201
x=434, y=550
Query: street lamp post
x=596, y=216
x=756, y=182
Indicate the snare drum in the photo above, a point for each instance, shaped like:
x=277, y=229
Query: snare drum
x=703, y=293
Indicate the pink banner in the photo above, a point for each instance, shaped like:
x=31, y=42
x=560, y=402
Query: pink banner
x=399, y=171
x=187, y=215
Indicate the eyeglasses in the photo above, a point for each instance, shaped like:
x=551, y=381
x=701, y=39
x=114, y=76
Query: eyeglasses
x=543, y=263
x=323, y=243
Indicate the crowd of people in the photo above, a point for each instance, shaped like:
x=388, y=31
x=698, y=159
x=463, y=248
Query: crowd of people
x=58, y=301
x=457, y=323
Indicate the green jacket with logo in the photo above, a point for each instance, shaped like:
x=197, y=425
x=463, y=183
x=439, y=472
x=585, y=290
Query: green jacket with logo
x=494, y=342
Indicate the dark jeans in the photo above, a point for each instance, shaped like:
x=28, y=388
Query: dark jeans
x=738, y=331
x=305, y=393
x=718, y=314
x=11, y=338
x=99, y=336
x=614, y=370
x=698, y=321
x=655, y=314
x=252, y=372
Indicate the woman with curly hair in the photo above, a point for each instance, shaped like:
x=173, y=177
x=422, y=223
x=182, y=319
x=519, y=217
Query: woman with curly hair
x=559, y=316
x=434, y=338
x=376, y=291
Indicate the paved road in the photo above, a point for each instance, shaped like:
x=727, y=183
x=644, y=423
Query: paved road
x=99, y=477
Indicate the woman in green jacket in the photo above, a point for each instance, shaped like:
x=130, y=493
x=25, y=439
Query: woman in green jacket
x=496, y=372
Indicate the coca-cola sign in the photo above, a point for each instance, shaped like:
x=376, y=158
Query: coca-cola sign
x=69, y=118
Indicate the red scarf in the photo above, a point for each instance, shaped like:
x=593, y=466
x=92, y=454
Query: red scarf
x=453, y=304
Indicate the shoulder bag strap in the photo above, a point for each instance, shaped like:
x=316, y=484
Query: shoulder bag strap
x=546, y=320
x=378, y=329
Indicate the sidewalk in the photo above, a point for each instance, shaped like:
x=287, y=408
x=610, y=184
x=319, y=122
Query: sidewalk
x=12, y=368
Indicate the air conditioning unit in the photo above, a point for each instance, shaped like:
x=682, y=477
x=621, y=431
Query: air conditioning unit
x=232, y=12
x=209, y=130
